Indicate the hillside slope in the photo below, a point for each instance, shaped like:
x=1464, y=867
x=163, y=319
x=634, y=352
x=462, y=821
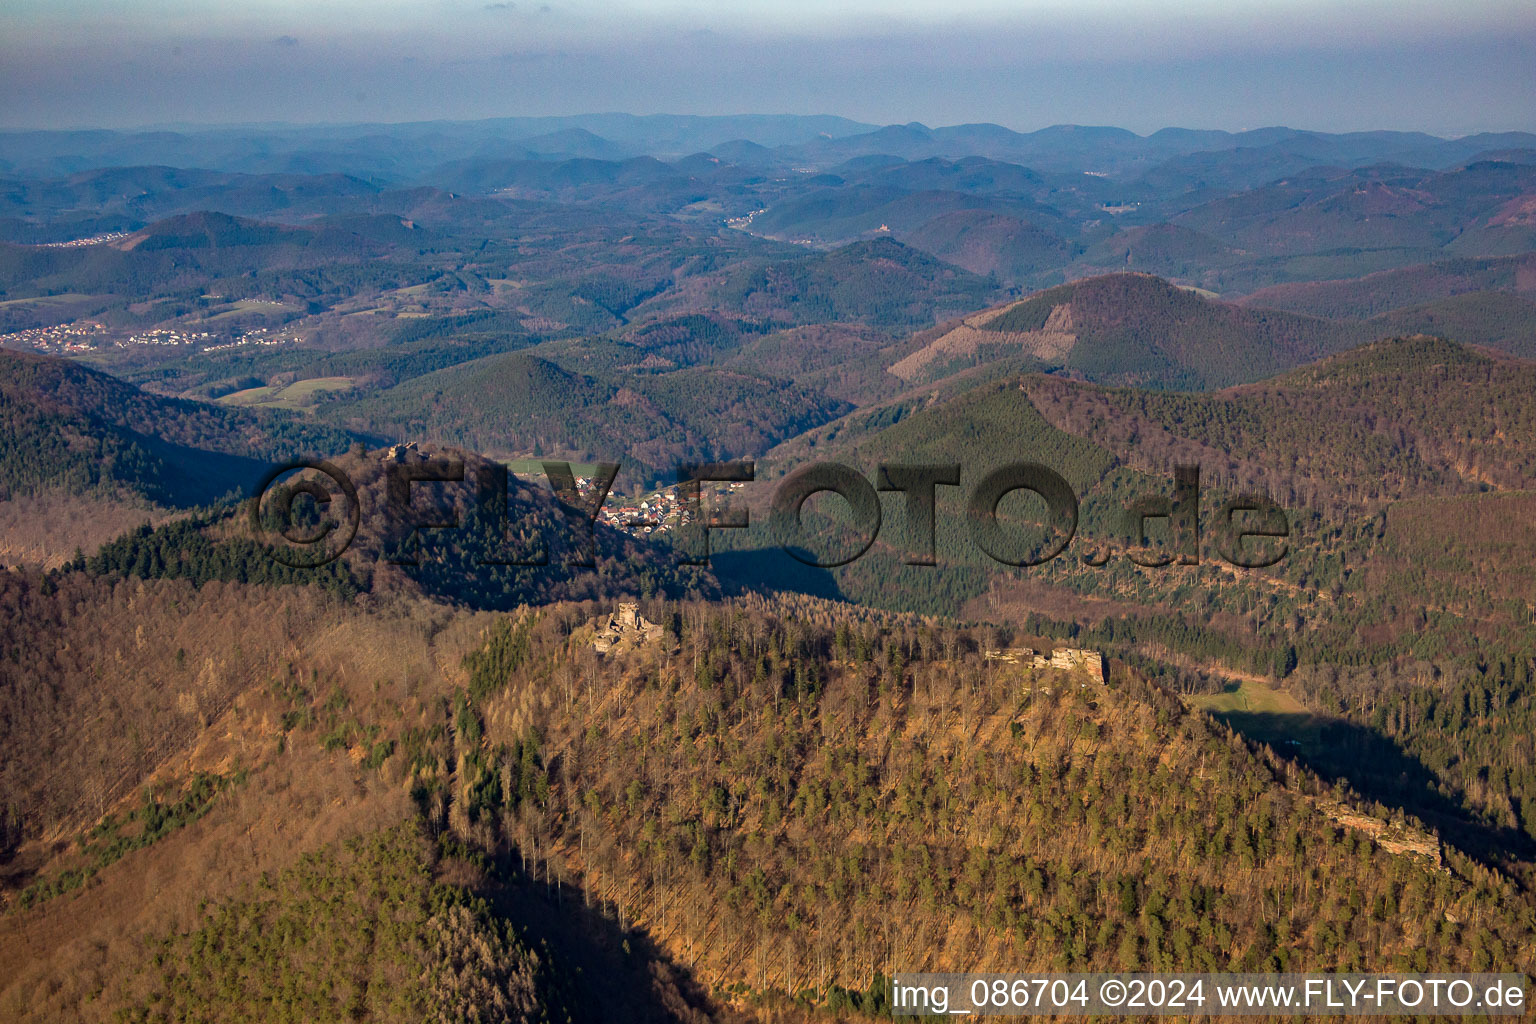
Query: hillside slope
x=1402, y=467
x=1013, y=250
x=768, y=801
x=87, y=455
x=241, y=829
x=1406, y=417
x=880, y=282
x=520, y=404
x=1134, y=329
x=804, y=775
x=1382, y=292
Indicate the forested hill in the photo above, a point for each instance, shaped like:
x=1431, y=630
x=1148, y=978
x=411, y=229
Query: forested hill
x=759, y=813
x=71, y=428
x=1403, y=467
x=794, y=774
x=516, y=403
x=1368, y=450
x=1399, y=418
x=1391, y=420
x=1134, y=329
x=879, y=281
x=1387, y=290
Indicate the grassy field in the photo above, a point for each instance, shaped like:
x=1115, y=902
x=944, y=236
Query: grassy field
x=250, y=396
x=62, y=299
x=244, y=306
x=1265, y=714
x=1251, y=697
x=1204, y=293
x=296, y=396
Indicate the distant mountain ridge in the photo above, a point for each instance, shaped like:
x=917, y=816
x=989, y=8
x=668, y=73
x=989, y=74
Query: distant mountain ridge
x=1224, y=219
x=398, y=151
x=1123, y=153
x=402, y=150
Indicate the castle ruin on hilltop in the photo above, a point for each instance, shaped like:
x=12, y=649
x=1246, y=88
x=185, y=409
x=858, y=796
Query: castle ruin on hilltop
x=1064, y=658
x=625, y=626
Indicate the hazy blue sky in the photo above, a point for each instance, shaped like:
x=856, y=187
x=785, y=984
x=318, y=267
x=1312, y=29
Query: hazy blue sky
x=1445, y=67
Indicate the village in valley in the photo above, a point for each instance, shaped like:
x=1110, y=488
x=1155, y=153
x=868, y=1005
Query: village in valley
x=89, y=335
x=660, y=511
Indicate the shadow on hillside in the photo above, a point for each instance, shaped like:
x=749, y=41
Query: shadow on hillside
x=192, y=476
x=765, y=570
x=602, y=971
x=1377, y=768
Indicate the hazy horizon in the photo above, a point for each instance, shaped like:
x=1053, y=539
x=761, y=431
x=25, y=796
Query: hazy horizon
x=192, y=126
x=1446, y=69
